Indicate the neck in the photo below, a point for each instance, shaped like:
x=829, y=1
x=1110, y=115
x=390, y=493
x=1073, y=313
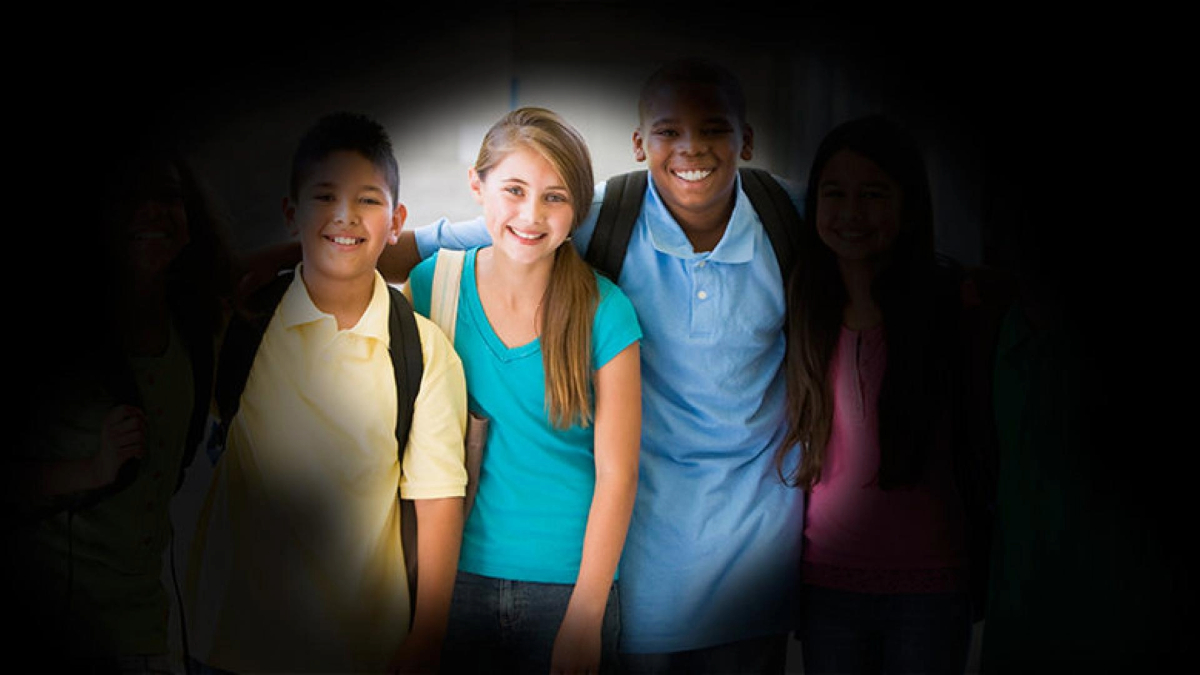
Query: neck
x=705, y=229
x=511, y=294
x=345, y=299
x=515, y=283
x=144, y=319
x=861, y=311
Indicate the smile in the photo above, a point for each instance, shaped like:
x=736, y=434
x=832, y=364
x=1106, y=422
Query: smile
x=527, y=236
x=146, y=235
x=693, y=175
x=346, y=241
x=854, y=235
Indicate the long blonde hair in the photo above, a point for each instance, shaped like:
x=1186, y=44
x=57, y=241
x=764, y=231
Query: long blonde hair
x=571, y=295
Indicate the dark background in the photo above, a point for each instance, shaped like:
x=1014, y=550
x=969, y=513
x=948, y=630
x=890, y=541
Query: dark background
x=1007, y=103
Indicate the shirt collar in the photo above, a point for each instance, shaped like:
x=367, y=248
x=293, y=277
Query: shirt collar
x=297, y=308
x=736, y=245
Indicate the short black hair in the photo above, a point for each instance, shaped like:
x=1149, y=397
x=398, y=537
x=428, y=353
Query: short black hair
x=346, y=131
x=694, y=70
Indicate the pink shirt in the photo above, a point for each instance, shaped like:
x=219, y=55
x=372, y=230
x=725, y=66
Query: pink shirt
x=857, y=536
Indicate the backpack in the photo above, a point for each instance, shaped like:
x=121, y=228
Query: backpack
x=245, y=333
x=623, y=195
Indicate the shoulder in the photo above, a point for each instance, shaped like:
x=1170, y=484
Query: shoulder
x=609, y=293
x=793, y=189
x=616, y=319
x=423, y=272
x=436, y=349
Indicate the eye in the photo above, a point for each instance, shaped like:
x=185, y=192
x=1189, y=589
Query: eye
x=515, y=190
x=557, y=198
x=666, y=133
x=716, y=131
x=373, y=201
x=831, y=193
x=323, y=197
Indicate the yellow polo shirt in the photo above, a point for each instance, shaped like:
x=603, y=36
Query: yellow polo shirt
x=297, y=561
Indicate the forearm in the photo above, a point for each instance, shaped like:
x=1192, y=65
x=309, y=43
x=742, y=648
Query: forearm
x=617, y=441
x=604, y=539
x=439, y=537
x=274, y=257
x=411, y=248
x=398, y=260
x=37, y=480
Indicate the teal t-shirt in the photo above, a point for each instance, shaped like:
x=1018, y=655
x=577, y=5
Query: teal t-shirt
x=536, y=482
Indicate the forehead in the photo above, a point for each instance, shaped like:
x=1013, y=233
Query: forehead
x=524, y=163
x=852, y=166
x=344, y=168
x=688, y=102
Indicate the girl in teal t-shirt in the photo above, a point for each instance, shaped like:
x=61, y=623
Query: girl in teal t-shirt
x=550, y=351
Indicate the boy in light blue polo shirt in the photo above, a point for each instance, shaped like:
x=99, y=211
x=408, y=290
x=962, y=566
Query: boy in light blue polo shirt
x=712, y=556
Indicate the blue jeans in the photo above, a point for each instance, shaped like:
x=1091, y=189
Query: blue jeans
x=762, y=656
x=503, y=626
x=848, y=632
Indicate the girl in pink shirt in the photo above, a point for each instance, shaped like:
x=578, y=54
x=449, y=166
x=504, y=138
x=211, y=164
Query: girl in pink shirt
x=872, y=372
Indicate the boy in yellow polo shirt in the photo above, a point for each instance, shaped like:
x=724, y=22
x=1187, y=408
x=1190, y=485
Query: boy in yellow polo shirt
x=298, y=562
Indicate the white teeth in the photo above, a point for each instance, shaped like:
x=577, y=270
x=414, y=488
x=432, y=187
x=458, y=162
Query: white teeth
x=345, y=241
x=527, y=237
x=699, y=174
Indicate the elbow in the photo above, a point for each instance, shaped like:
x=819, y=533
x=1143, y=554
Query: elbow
x=621, y=482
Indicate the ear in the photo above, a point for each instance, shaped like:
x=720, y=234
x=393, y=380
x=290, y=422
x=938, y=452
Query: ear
x=476, y=185
x=747, y=142
x=289, y=217
x=398, y=218
x=639, y=152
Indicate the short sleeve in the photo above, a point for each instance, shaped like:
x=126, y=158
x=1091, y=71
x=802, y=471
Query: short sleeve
x=433, y=462
x=615, y=326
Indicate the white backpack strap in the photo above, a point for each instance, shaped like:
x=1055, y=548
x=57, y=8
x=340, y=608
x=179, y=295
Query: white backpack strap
x=443, y=300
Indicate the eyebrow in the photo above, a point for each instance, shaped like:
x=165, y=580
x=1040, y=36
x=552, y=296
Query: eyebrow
x=514, y=179
x=871, y=184
x=331, y=184
x=706, y=120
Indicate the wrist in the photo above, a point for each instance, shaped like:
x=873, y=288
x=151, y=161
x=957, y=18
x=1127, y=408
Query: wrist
x=583, y=614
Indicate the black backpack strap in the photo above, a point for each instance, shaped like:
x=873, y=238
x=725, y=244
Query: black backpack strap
x=623, y=195
x=242, y=338
x=777, y=213
x=404, y=346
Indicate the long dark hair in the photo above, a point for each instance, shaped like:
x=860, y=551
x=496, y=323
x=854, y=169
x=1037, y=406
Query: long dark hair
x=911, y=291
x=200, y=279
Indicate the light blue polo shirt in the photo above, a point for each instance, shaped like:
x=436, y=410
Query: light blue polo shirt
x=713, y=550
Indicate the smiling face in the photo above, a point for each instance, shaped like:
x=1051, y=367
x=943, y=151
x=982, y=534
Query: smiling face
x=343, y=216
x=150, y=221
x=691, y=138
x=858, y=207
x=526, y=206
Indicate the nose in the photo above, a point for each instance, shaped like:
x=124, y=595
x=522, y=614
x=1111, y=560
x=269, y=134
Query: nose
x=690, y=142
x=343, y=211
x=531, y=210
x=852, y=209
